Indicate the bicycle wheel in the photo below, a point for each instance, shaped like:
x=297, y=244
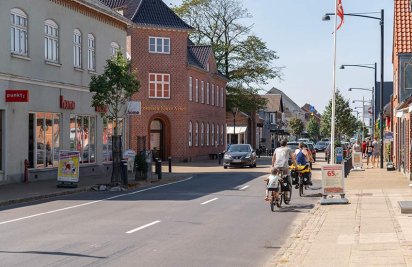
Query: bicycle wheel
x=272, y=202
x=301, y=189
x=288, y=194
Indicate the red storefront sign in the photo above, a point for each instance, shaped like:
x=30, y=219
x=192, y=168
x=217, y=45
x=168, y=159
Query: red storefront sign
x=101, y=109
x=17, y=95
x=67, y=104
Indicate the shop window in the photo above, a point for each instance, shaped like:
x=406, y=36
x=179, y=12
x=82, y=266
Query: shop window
x=51, y=41
x=44, y=140
x=108, y=130
x=83, y=137
x=190, y=134
x=159, y=85
x=18, y=32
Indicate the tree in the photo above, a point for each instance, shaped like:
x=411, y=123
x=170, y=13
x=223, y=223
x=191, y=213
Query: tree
x=112, y=90
x=345, y=122
x=296, y=126
x=313, y=128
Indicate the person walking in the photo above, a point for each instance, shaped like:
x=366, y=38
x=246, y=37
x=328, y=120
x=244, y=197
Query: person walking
x=369, y=152
x=375, y=152
x=363, y=149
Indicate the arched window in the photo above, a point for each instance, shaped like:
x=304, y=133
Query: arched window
x=202, y=134
x=190, y=134
x=51, y=41
x=91, y=52
x=207, y=134
x=217, y=134
x=197, y=134
x=77, y=48
x=18, y=32
x=114, y=48
x=213, y=134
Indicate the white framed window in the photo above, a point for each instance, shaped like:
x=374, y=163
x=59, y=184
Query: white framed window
x=221, y=135
x=190, y=89
x=207, y=134
x=159, y=85
x=202, y=134
x=197, y=91
x=190, y=134
x=77, y=48
x=91, y=52
x=208, y=93
x=18, y=32
x=217, y=95
x=159, y=45
x=51, y=41
x=213, y=135
x=114, y=47
x=212, y=101
x=202, y=91
x=217, y=135
x=196, y=134
x=222, y=101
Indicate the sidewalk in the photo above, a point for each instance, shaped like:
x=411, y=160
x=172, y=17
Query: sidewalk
x=369, y=231
x=37, y=190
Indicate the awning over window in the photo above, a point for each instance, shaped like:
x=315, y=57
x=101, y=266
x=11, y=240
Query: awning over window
x=238, y=129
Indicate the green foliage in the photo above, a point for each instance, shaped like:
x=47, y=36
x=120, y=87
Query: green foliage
x=345, y=122
x=114, y=87
x=296, y=126
x=247, y=100
x=313, y=129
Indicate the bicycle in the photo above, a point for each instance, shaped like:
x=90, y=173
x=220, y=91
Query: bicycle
x=282, y=193
x=304, y=173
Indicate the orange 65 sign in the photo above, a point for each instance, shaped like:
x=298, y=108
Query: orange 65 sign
x=333, y=179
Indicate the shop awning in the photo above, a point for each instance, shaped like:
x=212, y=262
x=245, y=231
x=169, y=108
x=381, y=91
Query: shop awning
x=238, y=129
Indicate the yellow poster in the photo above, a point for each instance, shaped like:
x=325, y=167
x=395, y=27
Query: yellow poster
x=68, y=166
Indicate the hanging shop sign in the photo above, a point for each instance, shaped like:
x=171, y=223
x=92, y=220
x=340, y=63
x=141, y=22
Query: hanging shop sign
x=67, y=104
x=68, y=166
x=134, y=108
x=17, y=95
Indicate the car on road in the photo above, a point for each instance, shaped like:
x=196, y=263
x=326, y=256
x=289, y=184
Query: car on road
x=239, y=155
x=321, y=145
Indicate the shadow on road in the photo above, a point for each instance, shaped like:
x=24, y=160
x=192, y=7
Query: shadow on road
x=296, y=208
x=55, y=253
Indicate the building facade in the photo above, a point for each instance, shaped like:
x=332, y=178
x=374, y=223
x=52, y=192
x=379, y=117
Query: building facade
x=49, y=52
x=182, y=94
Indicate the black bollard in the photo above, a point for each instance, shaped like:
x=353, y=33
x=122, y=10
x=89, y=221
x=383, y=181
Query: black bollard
x=219, y=157
x=159, y=169
x=170, y=164
x=124, y=172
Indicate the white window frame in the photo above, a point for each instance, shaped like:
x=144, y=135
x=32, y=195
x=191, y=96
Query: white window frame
x=202, y=134
x=208, y=93
x=190, y=134
x=222, y=96
x=190, y=88
x=77, y=48
x=217, y=135
x=162, y=83
x=202, y=92
x=91, y=52
x=196, y=134
x=213, y=135
x=217, y=95
x=207, y=134
x=18, y=32
x=114, y=47
x=159, y=45
x=222, y=134
x=212, y=101
x=51, y=41
x=197, y=91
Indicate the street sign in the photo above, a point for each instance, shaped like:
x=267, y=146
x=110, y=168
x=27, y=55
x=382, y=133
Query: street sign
x=332, y=179
x=389, y=136
x=312, y=109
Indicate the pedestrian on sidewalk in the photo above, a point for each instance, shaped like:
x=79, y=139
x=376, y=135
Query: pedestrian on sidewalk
x=369, y=152
x=363, y=149
x=375, y=152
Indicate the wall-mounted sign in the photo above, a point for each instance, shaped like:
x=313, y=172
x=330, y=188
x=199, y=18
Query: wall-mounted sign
x=67, y=104
x=163, y=108
x=101, y=109
x=17, y=95
x=134, y=108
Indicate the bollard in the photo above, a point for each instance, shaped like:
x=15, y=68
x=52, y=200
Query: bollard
x=26, y=170
x=219, y=157
x=124, y=172
x=170, y=164
x=159, y=169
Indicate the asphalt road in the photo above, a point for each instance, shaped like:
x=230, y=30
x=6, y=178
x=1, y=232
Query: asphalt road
x=210, y=219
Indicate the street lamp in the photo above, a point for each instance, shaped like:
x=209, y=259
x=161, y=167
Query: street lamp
x=381, y=19
x=363, y=113
x=234, y=112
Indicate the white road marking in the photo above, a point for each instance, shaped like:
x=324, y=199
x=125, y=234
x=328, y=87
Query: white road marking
x=142, y=227
x=92, y=202
x=243, y=188
x=213, y=199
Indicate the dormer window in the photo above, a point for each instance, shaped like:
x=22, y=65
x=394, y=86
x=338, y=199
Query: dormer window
x=160, y=45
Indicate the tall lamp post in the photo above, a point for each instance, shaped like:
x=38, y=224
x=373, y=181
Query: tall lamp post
x=363, y=113
x=381, y=19
x=373, y=104
x=234, y=111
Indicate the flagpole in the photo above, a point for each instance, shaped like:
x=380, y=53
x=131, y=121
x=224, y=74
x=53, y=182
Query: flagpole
x=332, y=123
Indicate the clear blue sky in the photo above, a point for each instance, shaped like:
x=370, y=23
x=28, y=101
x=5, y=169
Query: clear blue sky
x=304, y=44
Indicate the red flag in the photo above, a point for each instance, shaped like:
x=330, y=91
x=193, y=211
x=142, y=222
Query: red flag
x=339, y=12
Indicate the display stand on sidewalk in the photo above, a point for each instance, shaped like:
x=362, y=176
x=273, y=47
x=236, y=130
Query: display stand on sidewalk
x=357, y=161
x=333, y=185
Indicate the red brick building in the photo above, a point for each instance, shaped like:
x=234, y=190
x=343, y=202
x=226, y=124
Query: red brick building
x=182, y=93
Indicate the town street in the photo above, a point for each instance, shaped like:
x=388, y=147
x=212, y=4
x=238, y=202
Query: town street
x=209, y=219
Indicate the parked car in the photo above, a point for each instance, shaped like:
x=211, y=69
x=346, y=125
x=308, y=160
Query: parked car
x=239, y=155
x=321, y=145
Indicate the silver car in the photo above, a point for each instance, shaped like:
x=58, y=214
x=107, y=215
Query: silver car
x=239, y=155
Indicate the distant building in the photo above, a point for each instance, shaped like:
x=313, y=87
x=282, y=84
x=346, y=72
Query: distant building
x=311, y=112
x=274, y=125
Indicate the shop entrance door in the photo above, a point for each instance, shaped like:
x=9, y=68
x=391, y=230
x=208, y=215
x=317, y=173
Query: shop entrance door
x=157, y=139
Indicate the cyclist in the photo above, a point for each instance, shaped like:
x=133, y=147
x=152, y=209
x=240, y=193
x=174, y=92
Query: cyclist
x=281, y=157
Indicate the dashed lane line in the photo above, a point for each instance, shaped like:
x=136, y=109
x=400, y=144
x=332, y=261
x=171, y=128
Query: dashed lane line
x=206, y=202
x=142, y=227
